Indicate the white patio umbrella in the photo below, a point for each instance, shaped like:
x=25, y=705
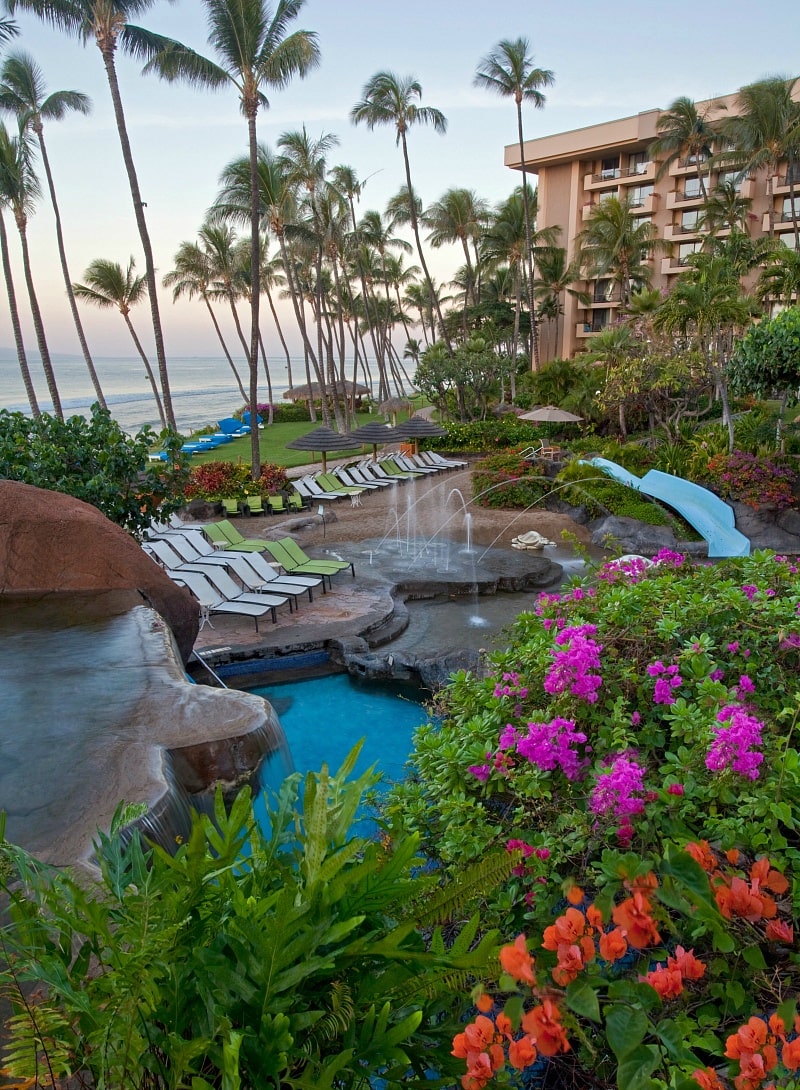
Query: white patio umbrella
x=550, y=414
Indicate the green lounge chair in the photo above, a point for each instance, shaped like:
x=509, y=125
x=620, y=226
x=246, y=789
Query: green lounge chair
x=292, y=567
x=297, y=554
x=333, y=484
x=294, y=501
x=223, y=533
x=255, y=505
x=231, y=505
x=391, y=466
x=276, y=505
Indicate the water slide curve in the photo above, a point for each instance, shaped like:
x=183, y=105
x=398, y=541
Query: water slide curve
x=708, y=514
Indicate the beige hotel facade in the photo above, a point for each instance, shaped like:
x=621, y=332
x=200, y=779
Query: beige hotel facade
x=578, y=169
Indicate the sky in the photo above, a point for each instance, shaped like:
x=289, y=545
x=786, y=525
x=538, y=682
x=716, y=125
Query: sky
x=609, y=61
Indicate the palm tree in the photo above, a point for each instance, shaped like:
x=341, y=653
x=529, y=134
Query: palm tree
x=508, y=71
x=19, y=191
x=192, y=276
x=254, y=50
x=8, y=30
x=106, y=23
x=109, y=286
x=614, y=347
x=459, y=216
x=684, y=132
x=388, y=99
x=780, y=279
x=19, y=344
x=723, y=208
x=706, y=305
x=556, y=276
x=616, y=245
x=765, y=131
x=22, y=92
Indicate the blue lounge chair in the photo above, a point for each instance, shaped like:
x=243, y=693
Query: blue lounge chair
x=233, y=427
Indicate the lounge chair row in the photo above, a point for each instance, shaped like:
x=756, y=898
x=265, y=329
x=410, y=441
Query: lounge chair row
x=211, y=572
x=370, y=475
x=258, y=505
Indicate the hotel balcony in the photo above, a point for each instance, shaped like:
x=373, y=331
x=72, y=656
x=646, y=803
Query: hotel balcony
x=584, y=331
x=644, y=206
x=606, y=179
x=671, y=266
x=678, y=168
x=678, y=199
x=675, y=232
x=782, y=186
x=782, y=222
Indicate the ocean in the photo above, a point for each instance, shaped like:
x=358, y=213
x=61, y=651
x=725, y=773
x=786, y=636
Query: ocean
x=203, y=389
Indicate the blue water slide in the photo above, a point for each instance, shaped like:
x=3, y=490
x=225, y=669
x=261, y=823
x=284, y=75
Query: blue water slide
x=708, y=514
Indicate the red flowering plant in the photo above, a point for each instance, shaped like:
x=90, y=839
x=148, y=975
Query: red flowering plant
x=755, y=480
x=226, y=480
x=647, y=708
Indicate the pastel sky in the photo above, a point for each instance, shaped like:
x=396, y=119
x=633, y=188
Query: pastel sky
x=610, y=60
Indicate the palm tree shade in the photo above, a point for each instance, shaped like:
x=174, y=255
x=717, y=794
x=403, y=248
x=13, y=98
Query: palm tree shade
x=254, y=50
x=109, y=286
x=508, y=71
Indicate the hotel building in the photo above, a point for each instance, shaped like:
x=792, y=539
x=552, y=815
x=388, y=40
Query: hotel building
x=578, y=169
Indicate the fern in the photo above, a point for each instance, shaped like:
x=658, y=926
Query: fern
x=459, y=892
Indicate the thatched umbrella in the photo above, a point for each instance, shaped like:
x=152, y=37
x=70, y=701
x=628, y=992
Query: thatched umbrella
x=376, y=434
x=419, y=427
x=321, y=440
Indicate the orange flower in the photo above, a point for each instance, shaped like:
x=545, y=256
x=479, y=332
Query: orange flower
x=790, y=1054
x=748, y=1038
x=484, y=1003
x=503, y=1024
x=701, y=852
x=777, y=1026
x=594, y=918
x=479, y=1071
x=613, y=945
x=779, y=931
x=740, y=899
x=647, y=883
x=667, y=982
x=690, y=967
x=707, y=1079
x=753, y=1069
x=761, y=873
x=522, y=1053
x=634, y=915
x=517, y=962
x=543, y=1023
x=570, y=963
x=567, y=929
x=733, y=855
x=477, y=1036
x=575, y=895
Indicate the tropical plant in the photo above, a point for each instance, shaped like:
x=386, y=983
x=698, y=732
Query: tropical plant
x=556, y=276
x=254, y=50
x=19, y=191
x=105, y=22
x=723, y=208
x=684, y=132
x=22, y=91
x=614, y=244
x=284, y=955
x=389, y=99
x=634, y=747
x=767, y=359
x=459, y=216
x=95, y=461
x=780, y=277
x=764, y=133
x=13, y=309
x=508, y=71
x=109, y=286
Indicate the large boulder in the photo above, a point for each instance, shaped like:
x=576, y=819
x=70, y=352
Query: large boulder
x=52, y=544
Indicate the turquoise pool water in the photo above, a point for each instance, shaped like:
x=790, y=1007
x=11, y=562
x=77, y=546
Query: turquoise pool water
x=323, y=718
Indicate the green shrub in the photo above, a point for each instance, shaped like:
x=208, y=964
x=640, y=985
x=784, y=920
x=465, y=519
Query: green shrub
x=485, y=435
x=95, y=461
x=507, y=480
x=600, y=495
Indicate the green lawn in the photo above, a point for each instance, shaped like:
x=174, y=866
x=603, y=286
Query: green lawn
x=273, y=440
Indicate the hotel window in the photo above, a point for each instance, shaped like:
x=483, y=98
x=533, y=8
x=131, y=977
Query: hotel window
x=639, y=220
x=787, y=209
x=600, y=319
x=685, y=250
x=638, y=162
x=609, y=168
x=730, y=177
x=689, y=220
x=639, y=194
x=691, y=188
x=603, y=291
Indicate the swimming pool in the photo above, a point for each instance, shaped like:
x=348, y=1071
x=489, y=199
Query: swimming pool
x=324, y=717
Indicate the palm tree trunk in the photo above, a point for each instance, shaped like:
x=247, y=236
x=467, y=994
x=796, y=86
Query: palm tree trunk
x=268, y=377
x=363, y=279
x=415, y=228
x=62, y=253
x=255, y=288
x=148, y=369
x=12, y=306
x=279, y=329
x=38, y=324
x=528, y=245
x=301, y=323
x=221, y=339
x=107, y=52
